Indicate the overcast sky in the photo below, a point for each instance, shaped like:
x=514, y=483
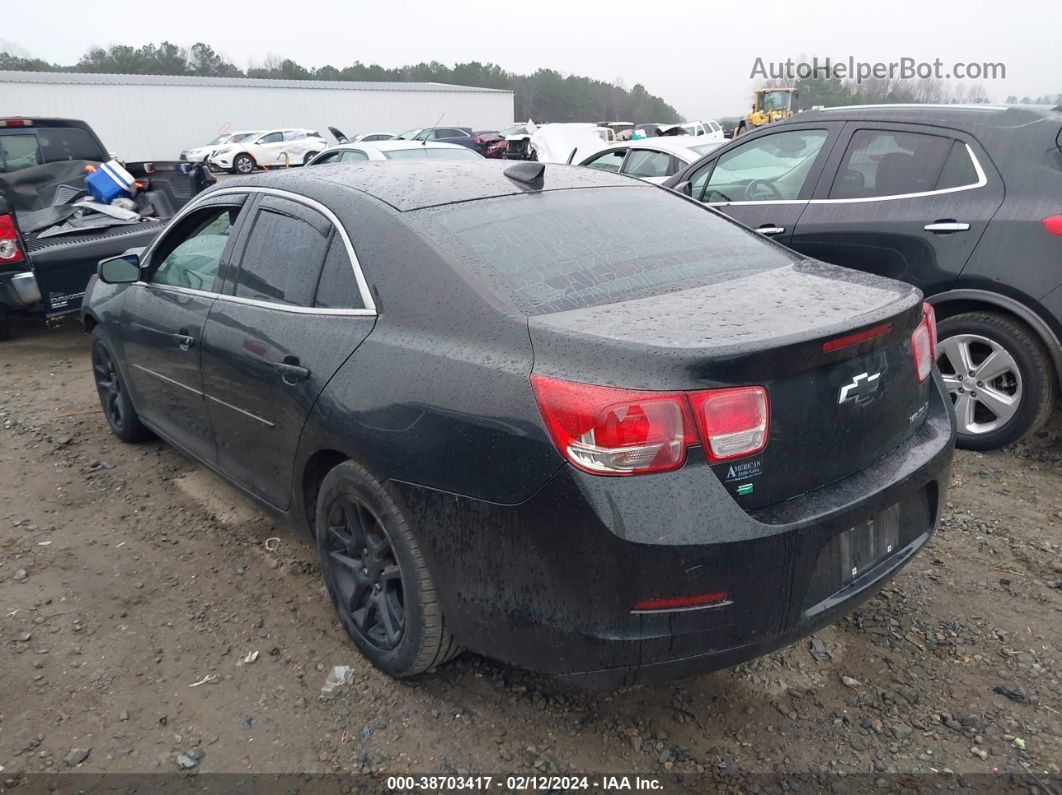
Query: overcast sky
x=696, y=55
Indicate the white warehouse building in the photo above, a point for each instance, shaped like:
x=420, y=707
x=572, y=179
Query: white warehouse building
x=155, y=117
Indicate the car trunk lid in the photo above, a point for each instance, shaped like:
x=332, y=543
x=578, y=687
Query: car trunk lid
x=837, y=404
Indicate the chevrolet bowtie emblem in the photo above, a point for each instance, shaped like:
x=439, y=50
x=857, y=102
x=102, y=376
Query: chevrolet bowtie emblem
x=861, y=389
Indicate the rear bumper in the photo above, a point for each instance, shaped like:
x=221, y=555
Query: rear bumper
x=19, y=290
x=549, y=584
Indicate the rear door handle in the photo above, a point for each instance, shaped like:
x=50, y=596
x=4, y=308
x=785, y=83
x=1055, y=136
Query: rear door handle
x=943, y=227
x=770, y=231
x=291, y=372
x=184, y=340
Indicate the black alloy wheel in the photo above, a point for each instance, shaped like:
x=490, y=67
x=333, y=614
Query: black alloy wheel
x=361, y=567
x=114, y=397
x=377, y=575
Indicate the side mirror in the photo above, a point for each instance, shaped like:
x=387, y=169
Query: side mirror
x=124, y=269
x=683, y=188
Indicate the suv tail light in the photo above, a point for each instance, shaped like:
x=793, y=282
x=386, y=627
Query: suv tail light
x=732, y=422
x=609, y=431
x=924, y=343
x=10, y=253
x=1053, y=224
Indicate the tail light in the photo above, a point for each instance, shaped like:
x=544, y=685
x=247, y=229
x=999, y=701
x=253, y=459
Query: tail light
x=924, y=343
x=732, y=422
x=10, y=253
x=1053, y=224
x=16, y=123
x=609, y=431
x=477, y=140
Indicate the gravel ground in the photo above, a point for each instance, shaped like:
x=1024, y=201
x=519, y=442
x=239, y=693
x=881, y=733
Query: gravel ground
x=151, y=620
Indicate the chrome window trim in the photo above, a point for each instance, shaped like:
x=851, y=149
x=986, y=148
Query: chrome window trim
x=982, y=180
x=359, y=277
x=301, y=310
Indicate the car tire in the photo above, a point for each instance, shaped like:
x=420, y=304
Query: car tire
x=5, y=323
x=114, y=396
x=1020, y=396
x=376, y=574
x=308, y=157
x=243, y=164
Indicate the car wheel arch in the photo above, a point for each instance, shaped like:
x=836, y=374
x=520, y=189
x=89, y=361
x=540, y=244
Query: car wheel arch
x=314, y=470
x=957, y=301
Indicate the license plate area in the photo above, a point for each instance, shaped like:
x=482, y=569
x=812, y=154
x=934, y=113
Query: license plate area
x=868, y=543
x=850, y=554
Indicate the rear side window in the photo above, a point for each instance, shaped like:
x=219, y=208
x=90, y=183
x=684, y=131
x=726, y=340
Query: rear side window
x=282, y=261
x=890, y=163
x=959, y=169
x=646, y=163
x=609, y=161
x=566, y=249
x=338, y=288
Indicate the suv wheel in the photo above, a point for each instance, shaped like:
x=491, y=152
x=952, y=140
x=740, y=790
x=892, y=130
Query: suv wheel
x=377, y=576
x=308, y=157
x=114, y=397
x=998, y=376
x=243, y=164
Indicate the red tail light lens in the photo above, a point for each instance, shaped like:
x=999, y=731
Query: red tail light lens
x=732, y=422
x=924, y=343
x=10, y=252
x=477, y=140
x=1053, y=225
x=609, y=431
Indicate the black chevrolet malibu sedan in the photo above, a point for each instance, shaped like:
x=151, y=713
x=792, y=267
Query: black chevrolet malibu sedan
x=560, y=417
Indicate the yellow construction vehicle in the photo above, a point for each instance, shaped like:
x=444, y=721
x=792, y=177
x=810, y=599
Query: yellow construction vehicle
x=771, y=105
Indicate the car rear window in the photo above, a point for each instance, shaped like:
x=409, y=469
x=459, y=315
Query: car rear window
x=560, y=250
x=23, y=148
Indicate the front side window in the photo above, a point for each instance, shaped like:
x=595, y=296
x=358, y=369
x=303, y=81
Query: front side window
x=271, y=138
x=190, y=255
x=889, y=163
x=282, y=260
x=327, y=157
x=647, y=163
x=352, y=155
x=608, y=161
x=770, y=168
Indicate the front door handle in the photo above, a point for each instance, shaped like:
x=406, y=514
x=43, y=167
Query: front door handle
x=291, y=372
x=770, y=230
x=946, y=227
x=184, y=340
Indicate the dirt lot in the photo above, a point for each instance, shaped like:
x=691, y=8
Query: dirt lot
x=128, y=575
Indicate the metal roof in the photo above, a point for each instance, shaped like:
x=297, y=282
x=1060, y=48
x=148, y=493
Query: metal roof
x=418, y=184
x=962, y=116
x=85, y=78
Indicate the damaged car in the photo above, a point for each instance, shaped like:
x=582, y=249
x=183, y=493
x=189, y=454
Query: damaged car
x=53, y=230
x=200, y=154
x=557, y=416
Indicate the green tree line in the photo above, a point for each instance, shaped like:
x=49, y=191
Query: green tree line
x=544, y=96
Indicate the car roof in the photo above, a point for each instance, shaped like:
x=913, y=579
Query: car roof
x=962, y=116
x=408, y=185
x=676, y=144
x=391, y=146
